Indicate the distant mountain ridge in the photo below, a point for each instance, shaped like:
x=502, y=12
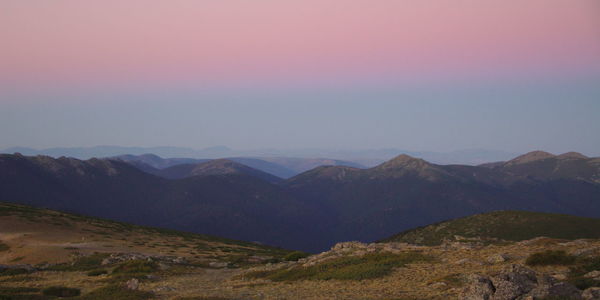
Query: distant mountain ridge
x=310, y=211
x=283, y=167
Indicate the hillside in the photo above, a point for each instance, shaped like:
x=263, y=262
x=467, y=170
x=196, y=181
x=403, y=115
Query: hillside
x=503, y=225
x=33, y=236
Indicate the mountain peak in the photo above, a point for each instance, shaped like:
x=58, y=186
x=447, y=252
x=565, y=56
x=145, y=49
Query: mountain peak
x=400, y=161
x=404, y=161
x=531, y=157
x=572, y=155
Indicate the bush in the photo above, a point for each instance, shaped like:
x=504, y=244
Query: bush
x=13, y=272
x=584, y=265
x=61, y=291
x=3, y=247
x=135, y=268
x=295, y=256
x=550, y=257
x=374, y=265
x=97, y=272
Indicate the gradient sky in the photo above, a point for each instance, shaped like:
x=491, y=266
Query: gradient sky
x=432, y=75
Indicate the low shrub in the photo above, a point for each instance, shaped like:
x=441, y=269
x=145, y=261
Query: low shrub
x=82, y=263
x=550, y=257
x=61, y=291
x=135, y=268
x=373, y=265
x=583, y=266
x=13, y=272
x=295, y=256
x=97, y=272
x=3, y=247
x=116, y=291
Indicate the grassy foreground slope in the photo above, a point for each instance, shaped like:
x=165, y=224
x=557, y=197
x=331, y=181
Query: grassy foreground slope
x=503, y=225
x=33, y=236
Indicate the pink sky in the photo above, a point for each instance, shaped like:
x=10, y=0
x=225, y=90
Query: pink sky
x=223, y=42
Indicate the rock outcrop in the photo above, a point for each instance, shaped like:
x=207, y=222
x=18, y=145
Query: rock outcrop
x=518, y=283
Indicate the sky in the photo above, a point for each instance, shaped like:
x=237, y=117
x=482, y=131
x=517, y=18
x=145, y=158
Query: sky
x=435, y=75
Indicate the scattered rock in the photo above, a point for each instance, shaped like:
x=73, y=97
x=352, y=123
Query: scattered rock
x=593, y=275
x=116, y=258
x=591, y=294
x=438, y=285
x=497, y=258
x=479, y=288
x=534, y=241
x=218, y=264
x=132, y=284
x=349, y=246
x=163, y=289
x=586, y=251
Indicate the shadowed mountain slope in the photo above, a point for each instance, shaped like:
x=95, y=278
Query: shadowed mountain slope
x=407, y=192
x=310, y=211
x=237, y=206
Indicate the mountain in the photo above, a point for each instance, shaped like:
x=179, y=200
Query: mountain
x=232, y=205
x=503, y=225
x=283, y=167
x=156, y=161
x=214, y=167
x=310, y=211
x=300, y=165
x=408, y=192
x=541, y=165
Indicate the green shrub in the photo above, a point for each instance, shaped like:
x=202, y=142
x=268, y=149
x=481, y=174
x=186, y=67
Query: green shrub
x=135, y=268
x=17, y=290
x=97, y=272
x=116, y=292
x=295, y=256
x=583, y=266
x=374, y=265
x=61, y=291
x=13, y=272
x=3, y=247
x=550, y=257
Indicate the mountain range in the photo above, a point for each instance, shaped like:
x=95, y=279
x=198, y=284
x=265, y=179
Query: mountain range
x=365, y=157
x=310, y=211
x=284, y=167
